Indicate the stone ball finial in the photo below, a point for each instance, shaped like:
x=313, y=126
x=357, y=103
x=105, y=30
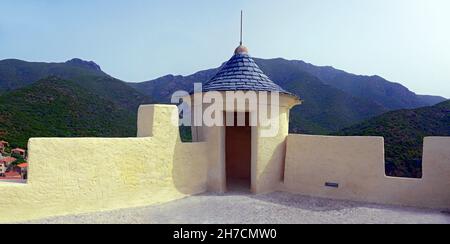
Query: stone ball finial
x=241, y=49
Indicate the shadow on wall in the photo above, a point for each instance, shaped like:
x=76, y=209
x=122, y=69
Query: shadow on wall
x=188, y=160
x=189, y=167
x=271, y=177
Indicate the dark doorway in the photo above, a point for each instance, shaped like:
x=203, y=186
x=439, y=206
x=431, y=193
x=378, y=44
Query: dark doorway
x=238, y=149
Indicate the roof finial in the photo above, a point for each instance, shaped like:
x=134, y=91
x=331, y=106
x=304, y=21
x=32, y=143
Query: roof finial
x=241, y=49
x=240, y=43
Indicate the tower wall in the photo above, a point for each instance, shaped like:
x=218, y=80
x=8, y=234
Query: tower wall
x=268, y=152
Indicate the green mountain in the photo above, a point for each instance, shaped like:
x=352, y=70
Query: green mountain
x=374, y=88
x=333, y=99
x=325, y=109
x=403, y=131
x=328, y=105
x=78, y=99
x=15, y=74
x=53, y=107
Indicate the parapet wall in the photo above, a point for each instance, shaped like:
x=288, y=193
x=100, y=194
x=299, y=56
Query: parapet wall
x=357, y=164
x=78, y=175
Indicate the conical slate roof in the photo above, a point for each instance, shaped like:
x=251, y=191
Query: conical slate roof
x=241, y=73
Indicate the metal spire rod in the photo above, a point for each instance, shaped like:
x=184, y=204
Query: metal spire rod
x=241, y=27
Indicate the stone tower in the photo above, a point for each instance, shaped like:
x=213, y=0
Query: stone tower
x=246, y=149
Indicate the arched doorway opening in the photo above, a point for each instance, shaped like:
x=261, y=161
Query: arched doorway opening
x=238, y=149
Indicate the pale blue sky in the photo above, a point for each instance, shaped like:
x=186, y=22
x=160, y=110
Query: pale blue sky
x=406, y=41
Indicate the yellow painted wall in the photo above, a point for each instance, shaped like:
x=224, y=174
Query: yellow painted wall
x=270, y=155
x=70, y=176
x=357, y=164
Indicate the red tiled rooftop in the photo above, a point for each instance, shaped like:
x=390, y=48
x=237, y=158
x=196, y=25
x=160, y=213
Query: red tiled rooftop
x=22, y=165
x=8, y=159
x=12, y=175
x=18, y=150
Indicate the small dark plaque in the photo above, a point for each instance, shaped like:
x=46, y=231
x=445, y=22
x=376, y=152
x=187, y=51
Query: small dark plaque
x=331, y=184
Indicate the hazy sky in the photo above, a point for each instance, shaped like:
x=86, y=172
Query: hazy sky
x=406, y=41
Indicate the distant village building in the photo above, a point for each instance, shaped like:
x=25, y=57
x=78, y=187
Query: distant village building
x=8, y=160
x=2, y=169
x=3, y=145
x=19, y=151
x=22, y=169
x=5, y=162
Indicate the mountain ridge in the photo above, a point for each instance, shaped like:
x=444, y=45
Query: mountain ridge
x=96, y=104
x=326, y=74
x=16, y=74
x=403, y=131
x=327, y=108
x=362, y=86
x=53, y=107
x=83, y=63
x=293, y=74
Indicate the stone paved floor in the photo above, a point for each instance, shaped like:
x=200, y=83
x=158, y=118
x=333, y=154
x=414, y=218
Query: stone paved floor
x=273, y=208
